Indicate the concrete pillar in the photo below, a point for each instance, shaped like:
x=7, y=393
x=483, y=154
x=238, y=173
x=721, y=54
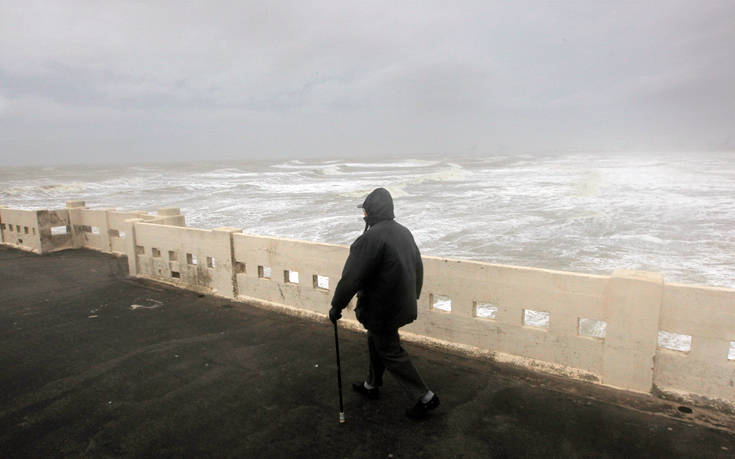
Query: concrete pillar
x=75, y=204
x=225, y=281
x=44, y=231
x=47, y=219
x=130, y=245
x=169, y=216
x=168, y=211
x=74, y=209
x=105, y=231
x=632, y=310
x=2, y=237
x=37, y=240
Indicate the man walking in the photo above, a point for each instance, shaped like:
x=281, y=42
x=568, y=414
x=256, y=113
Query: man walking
x=384, y=268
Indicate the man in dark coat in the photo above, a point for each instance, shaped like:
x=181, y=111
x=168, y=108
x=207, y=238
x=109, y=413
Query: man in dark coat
x=384, y=269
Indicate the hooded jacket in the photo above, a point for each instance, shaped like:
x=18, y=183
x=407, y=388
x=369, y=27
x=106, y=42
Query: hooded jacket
x=384, y=268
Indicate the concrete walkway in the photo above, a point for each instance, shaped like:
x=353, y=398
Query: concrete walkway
x=94, y=364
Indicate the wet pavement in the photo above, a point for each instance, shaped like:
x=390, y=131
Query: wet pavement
x=93, y=364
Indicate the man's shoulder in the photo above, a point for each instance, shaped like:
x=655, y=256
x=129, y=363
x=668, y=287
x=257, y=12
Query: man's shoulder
x=393, y=231
x=364, y=239
x=397, y=227
x=360, y=239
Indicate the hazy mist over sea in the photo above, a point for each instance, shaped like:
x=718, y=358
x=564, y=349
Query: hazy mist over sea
x=585, y=212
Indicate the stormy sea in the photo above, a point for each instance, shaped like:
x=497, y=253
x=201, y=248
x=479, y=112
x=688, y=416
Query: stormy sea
x=584, y=212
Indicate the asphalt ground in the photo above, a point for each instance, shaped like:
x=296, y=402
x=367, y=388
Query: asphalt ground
x=86, y=373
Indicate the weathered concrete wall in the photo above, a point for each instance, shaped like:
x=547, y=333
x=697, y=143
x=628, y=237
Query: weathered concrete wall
x=565, y=297
x=49, y=221
x=632, y=306
x=38, y=231
x=76, y=226
x=531, y=316
x=707, y=369
x=103, y=229
x=117, y=226
x=286, y=260
x=90, y=228
x=190, y=257
x=20, y=228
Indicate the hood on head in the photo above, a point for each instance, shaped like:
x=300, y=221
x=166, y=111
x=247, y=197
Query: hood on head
x=379, y=206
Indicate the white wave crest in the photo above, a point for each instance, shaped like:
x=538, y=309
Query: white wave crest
x=226, y=173
x=293, y=164
x=393, y=165
x=329, y=170
x=638, y=237
x=398, y=191
x=454, y=172
x=15, y=191
x=50, y=189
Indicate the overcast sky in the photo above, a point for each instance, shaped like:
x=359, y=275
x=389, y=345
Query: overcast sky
x=155, y=80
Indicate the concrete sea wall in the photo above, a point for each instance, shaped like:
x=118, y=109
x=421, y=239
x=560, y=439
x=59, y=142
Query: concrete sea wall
x=629, y=329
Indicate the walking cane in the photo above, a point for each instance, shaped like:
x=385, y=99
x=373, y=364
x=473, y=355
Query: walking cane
x=339, y=377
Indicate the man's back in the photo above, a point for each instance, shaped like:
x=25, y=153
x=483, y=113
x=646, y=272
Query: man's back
x=387, y=299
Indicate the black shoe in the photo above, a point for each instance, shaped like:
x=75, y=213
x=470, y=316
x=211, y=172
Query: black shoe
x=360, y=388
x=421, y=409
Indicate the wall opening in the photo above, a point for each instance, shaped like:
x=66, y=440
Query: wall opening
x=211, y=262
x=155, y=252
x=264, y=272
x=674, y=341
x=25, y=229
x=34, y=231
x=291, y=277
x=113, y=233
x=592, y=328
x=731, y=352
x=10, y=228
x=239, y=268
x=485, y=310
x=57, y=230
x=20, y=241
x=173, y=256
x=441, y=302
x=175, y=274
x=321, y=282
x=2, y=226
x=191, y=259
x=17, y=228
x=139, y=250
x=538, y=319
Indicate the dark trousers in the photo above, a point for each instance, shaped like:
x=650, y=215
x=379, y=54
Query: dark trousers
x=386, y=353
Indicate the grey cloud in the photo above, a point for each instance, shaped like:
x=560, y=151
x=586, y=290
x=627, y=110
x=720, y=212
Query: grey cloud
x=335, y=78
